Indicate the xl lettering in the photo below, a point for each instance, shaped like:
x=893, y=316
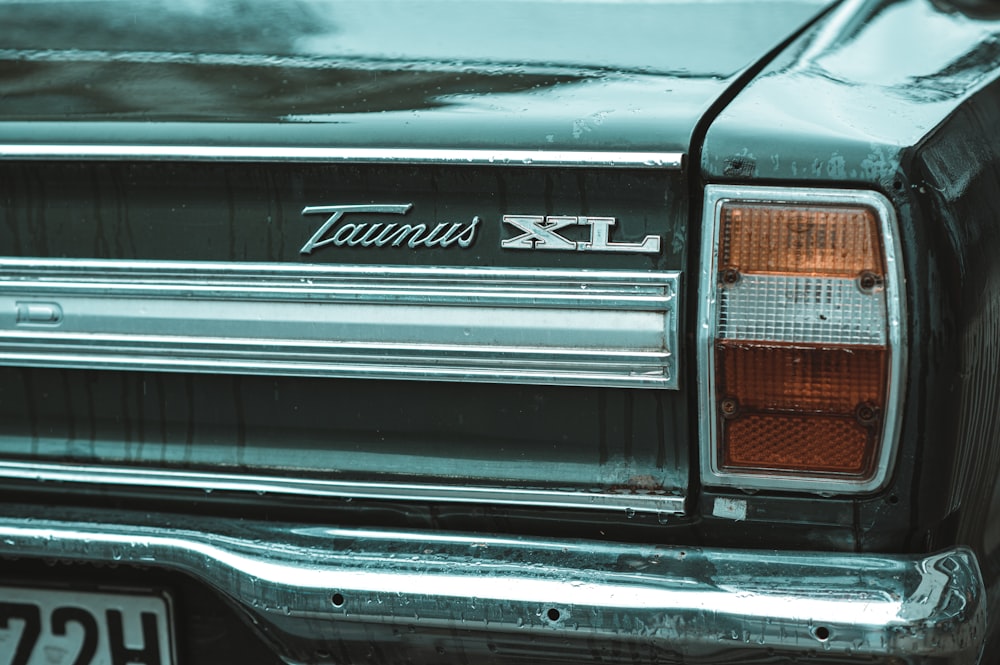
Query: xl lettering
x=540, y=232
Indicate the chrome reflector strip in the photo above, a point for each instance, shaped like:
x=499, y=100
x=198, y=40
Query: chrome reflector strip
x=599, y=328
x=347, y=155
x=665, y=506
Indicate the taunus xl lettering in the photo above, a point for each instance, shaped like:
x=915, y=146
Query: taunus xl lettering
x=540, y=232
x=384, y=234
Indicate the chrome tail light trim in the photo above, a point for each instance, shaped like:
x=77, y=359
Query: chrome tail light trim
x=711, y=474
x=554, y=327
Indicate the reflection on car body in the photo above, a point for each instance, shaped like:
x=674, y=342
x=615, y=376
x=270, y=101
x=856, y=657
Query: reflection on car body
x=495, y=331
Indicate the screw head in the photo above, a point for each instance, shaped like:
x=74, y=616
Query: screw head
x=866, y=413
x=729, y=407
x=867, y=281
x=730, y=276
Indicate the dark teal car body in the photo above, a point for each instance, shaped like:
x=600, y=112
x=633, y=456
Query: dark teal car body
x=176, y=227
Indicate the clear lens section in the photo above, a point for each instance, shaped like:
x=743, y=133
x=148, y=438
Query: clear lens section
x=815, y=240
x=812, y=310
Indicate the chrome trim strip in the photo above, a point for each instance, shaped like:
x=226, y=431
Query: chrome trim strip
x=436, y=596
x=711, y=475
x=558, y=327
x=428, y=156
x=662, y=504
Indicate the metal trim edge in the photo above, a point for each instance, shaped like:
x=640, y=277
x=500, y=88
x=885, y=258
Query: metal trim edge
x=650, y=502
x=423, y=156
x=895, y=311
x=311, y=586
x=362, y=321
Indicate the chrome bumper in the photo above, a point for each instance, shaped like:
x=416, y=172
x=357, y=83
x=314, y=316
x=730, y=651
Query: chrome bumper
x=326, y=594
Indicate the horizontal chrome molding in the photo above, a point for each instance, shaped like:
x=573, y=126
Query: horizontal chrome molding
x=433, y=596
x=590, y=328
x=895, y=335
x=639, y=501
x=621, y=159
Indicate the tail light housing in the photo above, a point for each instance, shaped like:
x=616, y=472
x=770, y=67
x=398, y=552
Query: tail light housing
x=801, y=339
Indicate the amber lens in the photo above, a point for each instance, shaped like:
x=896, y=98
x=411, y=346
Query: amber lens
x=825, y=444
x=800, y=409
x=805, y=240
x=808, y=379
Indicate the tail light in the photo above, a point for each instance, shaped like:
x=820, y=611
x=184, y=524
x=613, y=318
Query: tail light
x=801, y=339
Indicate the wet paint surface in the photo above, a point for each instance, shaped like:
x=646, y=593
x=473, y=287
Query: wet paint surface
x=956, y=186
x=903, y=97
x=584, y=75
x=254, y=212
x=842, y=103
x=546, y=75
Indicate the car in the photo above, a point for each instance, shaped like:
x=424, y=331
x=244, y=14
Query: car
x=342, y=331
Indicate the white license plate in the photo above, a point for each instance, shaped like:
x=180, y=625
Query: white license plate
x=60, y=627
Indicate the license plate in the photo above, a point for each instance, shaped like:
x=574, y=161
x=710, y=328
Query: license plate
x=60, y=627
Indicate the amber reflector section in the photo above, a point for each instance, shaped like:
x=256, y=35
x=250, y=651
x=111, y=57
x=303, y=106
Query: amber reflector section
x=827, y=444
x=811, y=379
x=800, y=409
x=806, y=240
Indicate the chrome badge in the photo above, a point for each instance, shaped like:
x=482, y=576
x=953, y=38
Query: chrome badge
x=538, y=232
x=384, y=234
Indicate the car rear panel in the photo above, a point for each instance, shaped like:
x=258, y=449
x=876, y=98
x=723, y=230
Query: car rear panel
x=116, y=252
x=191, y=304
